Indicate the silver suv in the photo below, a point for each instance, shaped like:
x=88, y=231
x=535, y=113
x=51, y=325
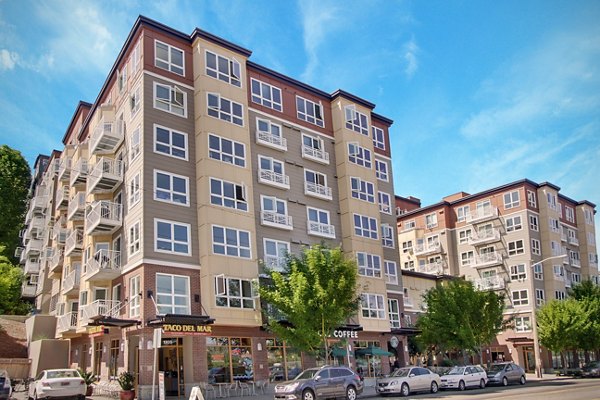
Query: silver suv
x=321, y=383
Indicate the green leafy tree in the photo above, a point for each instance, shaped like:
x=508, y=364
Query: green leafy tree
x=316, y=293
x=15, y=177
x=588, y=294
x=11, y=278
x=460, y=318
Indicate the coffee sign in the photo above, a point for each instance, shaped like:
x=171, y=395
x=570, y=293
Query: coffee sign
x=345, y=334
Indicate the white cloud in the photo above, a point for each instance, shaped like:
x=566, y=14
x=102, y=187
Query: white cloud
x=410, y=51
x=8, y=59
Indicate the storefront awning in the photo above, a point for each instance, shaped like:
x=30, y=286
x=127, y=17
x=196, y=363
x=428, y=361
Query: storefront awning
x=338, y=352
x=406, y=331
x=373, y=351
x=183, y=319
x=116, y=322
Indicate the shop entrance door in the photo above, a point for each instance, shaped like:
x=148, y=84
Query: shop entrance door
x=170, y=360
x=529, y=358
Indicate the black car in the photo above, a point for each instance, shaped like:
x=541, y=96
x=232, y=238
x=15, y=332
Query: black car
x=321, y=383
x=5, y=387
x=591, y=370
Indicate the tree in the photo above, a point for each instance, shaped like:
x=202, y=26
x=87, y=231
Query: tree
x=15, y=178
x=588, y=294
x=316, y=293
x=459, y=317
x=11, y=278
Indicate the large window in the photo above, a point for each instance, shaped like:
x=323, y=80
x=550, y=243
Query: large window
x=516, y=247
x=233, y=292
x=135, y=290
x=274, y=212
x=391, y=272
x=134, y=238
x=518, y=272
x=359, y=155
x=315, y=184
x=372, y=306
x=170, y=142
x=276, y=252
x=514, y=224
x=381, y=170
x=387, y=236
x=309, y=111
x=522, y=324
x=172, y=294
x=223, y=68
x=272, y=172
x=170, y=98
x=270, y=134
x=227, y=151
x=520, y=298
x=134, y=144
x=536, y=247
x=313, y=148
x=365, y=226
x=531, y=199
x=511, y=200
x=462, y=213
x=227, y=194
x=431, y=220
x=362, y=190
x=225, y=109
x=385, y=202
x=368, y=264
x=134, y=190
x=319, y=223
x=231, y=242
x=266, y=95
x=171, y=188
x=171, y=237
x=169, y=58
x=378, y=138
x=534, y=223
x=356, y=121
x=394, y=313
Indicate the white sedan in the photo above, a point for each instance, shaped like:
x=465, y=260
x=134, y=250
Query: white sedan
x=406, y=380
x=463, y=377
x=57, y=383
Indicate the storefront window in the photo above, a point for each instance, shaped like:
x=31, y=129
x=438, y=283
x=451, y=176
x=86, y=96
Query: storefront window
x=114, y=357
x=229, y=359
x=284, y=362
x=367, y=365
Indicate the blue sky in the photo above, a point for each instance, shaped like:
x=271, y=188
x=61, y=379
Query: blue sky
x=482, y=92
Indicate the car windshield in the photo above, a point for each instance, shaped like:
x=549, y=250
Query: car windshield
x=457, y=371
x=62, y=374
x=401, y=373
x=3, y=373
x=309, y=373
x=497, y=368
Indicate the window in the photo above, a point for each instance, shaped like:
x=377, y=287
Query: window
x=569, y=214
x=135, y=58
x=368, y=264
x=467, y=258
x=223, y=69
x=385, y=202
x=171, y=237
x=313, y=149
x=540, y=297
x=378, y=138
x=464, y=236
x=518, y=272
x=387, y=236
x=555, y=248
x=122, y=78
x=134, y=190
x=319, y=223
x=591, y=239
x=170, y=98
x=114, y=357
x=391, y=272
x=272, y=172
x=228, y=194
x=234, y=293
x=274, y=212
x=266, y=95
x=362, y=190
x=136, y=100
x=135, y=290
x=534, y=223
x=172, y=294
x=359, y=155
x=365, y=226
x=407, y=246
x=589, y=216
x=356, y=121
x=554, y=225
x=168, y=57
x=269, y=134
x=134, y=238
x=231, y=242
x=511, y=200
x=536, y=247
x=309, y=111
x=431, y=221
x=522, y=324
x=276, y=252
x=462, y=213
x=516, y=247
x=560, y=295
x=227, y=151
x=394, y=313
x=408, y=225
x=409, y=265
x=170, y=142
x=551, y=198
x=315, y=184
x=531, y=199
x=171, y=188
x=520, y=298
x=134, y=144
x=381, y=170
x=372, y=306
x=225, y=109
x=514, y=224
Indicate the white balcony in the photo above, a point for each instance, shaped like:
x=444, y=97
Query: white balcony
x=32, y=266
x=575, y=262
x=62, y=197
x=71, y=283
x=103, y=218
x=408, y=303
x=482, y=214
x=106, y=137
x=59, y=234
x=319, y=229
x=317, y=155
x=76, y=210
x=490, y=283
x=275, y=263
x=436, y=268
x=104, y=265
x=19, y=251
x=33, y=247
x=39, y=203
x=56, y=262
x=35, y=226
x=79, y=173
x=270, y=140
x=74, y=243
x=28, y=291
x=486, y=260
x=563, y=236
x=99, y=309
x=64, y=169
x=316, y=190
x=574, y=241
x=273, y=178
x=276, y=220
x=484, y=237
x=424, y=248
x=67, y=322
x=106, y=175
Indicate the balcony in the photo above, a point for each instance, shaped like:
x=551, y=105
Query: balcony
x=76, y=210
x=575, y=262
x=574, y=241
x=19, y=251
x=62, y=198
x=32, y=266
x=74, y=243
x=39, y=203
x=317, y=155
x=59, y=234
x=56, y=262
x=436, y=268
x=276, y=220
x=563, y=236
x=28, y=290
x=482, y=215
x=103, y=218
x=79, y=173
x=64, y=169
x=275, y=263
x=70, y=285
x=270, y=140
x=319, y=229
x=273, y=178
x=316, y=190
x=99, y=309
x=106, y=137
x=484, y=237
x=490, y=283
x=35, y=226
x=104, y=265
x=106, y=175
x=408, y=303
x=486, y=260
x=33, y=247
x=423, y=249
x=67, y=323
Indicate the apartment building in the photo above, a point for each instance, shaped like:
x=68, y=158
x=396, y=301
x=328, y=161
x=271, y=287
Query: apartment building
x=524, y=239
x=193, y=170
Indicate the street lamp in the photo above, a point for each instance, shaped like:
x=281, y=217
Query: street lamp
x=536, y=341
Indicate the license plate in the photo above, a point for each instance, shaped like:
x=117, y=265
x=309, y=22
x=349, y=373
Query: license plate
x=64, y=384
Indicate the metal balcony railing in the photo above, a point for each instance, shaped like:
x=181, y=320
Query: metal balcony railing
x=482, y=214
x=67, y=322
x=79, y=172
x=28, y=290
x=484, y=236
x=74, y=243
x=104, y=265
x=271, y=140
x=99, y=308
x=315, y=154
x=71, y=282
x=106, y=175
x=490, y=283
x=423, y=248
x=319, y=229
x=486, y=259
x=64, y=169
x=436, y=268
x=76, y=210
x=273, y=178
x=272, y=218
x=62, y=197
x=106, y=137
x=103, y=217
x=314, y=189
x=275, y=263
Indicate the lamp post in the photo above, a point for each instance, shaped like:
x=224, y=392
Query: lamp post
x=536, y=341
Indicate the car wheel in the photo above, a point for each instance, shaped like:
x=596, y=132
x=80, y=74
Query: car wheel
x=461, y=385
x=505, y=381
x=482, y=383
x=308, y=395
x=434, y=387
x=351, y=393
x=404, y=390
x=522, y=380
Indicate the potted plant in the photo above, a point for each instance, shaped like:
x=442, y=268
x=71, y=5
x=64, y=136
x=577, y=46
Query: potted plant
x=88, y=378
x=126, y=381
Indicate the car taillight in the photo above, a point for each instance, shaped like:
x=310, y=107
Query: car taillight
x=81, y=382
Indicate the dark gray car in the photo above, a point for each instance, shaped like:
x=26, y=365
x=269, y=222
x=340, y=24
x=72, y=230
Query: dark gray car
x=505, y=373
x=321, y=383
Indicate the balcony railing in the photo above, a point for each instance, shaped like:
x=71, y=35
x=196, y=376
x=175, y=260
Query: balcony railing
x=273, y=178
x=32, y=266
x=317, y=155
x=316, y=190
x=71, y=282
x=563, y=236
x=275, y=263
x=486, y=260
x=575, y=262
x=56, y=262
x=272, y=218
x=106, y=137
x=103, y=218
x=76, y=210
x=106, y=175
x=104, y=265
x=490, y=283
x=34, y=246
x=64, y=170
x=39, y=203
x=319, y=229
x=482, y=214
x=574, y=241
x=74, y=243
x=67, y=322
x=59, y=234
x=484, y=236
x=436, y=268
x=62, y=197
x=28, y=290
x=424, y=248
x=79, y=173
x=97, y=309
x=274, y=141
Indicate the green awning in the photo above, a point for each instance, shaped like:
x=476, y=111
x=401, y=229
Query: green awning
x=373, y=351
x=338, y=352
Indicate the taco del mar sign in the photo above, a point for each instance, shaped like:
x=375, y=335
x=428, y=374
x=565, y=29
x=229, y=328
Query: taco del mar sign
x=190, y=329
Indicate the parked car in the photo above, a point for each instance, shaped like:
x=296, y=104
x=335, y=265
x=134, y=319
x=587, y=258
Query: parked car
x=407, y=380
x=463, y=377
x=321, y=383
x=51, y=383
x=505, y=373
x=591, y=369
x=5, y=386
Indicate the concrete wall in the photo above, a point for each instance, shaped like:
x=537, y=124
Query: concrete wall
x=40, y=327
x=56, y=355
